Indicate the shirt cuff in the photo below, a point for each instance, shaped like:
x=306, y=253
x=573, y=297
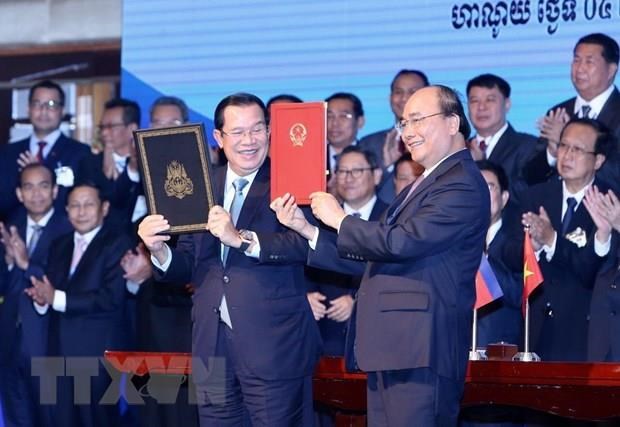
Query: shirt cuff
x=132, y=287
x=312, y=243
x=550, y=250
x=134, y=176
x=551, y=161
x=41, y=309
x=602, y=249
x=254, y=250
x=60, y=301
x=163, y=267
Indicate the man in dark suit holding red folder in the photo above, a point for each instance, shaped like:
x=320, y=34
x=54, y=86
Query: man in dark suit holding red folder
x=414, y=305
x=252, y=326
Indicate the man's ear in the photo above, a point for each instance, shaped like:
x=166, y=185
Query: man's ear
x=18, y=192
x=217, y=134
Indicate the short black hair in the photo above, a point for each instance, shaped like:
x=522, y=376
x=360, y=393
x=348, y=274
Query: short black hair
x=406, y=157
x=131, y=110
x=407, y=72
x=497, y=170
x=605, y=142
x=236, y=99
x=490, y=81
x=611, y=52
x=88, y=184
x=358, y=110
x=32, y=166
x=47, y=84
x=450, y=104
x=175, y=102
x=283, y=97
x=370, y=157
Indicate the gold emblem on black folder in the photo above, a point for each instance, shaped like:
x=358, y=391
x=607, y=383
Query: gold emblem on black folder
x=177, y=182
x=298, y=134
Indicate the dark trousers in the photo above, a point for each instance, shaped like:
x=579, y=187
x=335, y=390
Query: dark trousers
x=232, y=395
x=412, y=397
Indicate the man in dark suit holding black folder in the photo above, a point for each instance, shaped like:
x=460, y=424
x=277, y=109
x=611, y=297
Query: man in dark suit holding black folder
x=252, y=327
x=414, y=305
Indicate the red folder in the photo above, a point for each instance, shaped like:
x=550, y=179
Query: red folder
x=298, y=149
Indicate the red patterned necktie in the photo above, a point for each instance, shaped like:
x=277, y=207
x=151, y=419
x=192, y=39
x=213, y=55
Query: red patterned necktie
x=41, y=145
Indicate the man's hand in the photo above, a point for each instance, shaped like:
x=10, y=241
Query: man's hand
x=391, y=148
x=340, y=309
x=594, y=203
x=316, y=304
x=326, y=208
x=541, y=230
x=26, y=158
x=133, y=158
x=291, y=216
x=551, y=127
x=148, y=229
x=41, y=292
x=136, y=265
x=476, y=152
x=20, y=253
x=221, y=226
x=5, y=238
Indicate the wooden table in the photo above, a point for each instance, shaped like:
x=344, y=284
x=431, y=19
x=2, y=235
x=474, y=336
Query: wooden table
x=587, y=391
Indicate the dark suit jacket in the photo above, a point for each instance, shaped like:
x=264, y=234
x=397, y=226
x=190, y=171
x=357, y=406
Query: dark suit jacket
x=512, y=152
x=537, y=170
x=502, y=320
x=65, y=152
x=93, y=320
x=414, y=305
x=560, y=306
x=266, y=298
x=604, y=328
x=121, y=193
x=334, y=285
x=18, y=310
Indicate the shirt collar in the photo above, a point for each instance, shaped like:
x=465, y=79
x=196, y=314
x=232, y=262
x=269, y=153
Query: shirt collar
x=595, y=103
x=492, y=140
x=364, y=210
x=578, y=196
x=493, y=230
x=428, y=171
x=88, y=237
x=231, y=176
x=50, y=138
x=42, y=222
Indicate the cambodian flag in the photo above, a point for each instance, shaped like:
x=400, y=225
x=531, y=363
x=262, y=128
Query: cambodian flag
x=487, y=286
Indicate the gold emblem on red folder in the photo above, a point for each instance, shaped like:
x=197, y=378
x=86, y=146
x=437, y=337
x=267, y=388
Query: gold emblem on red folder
x=298, y=134
x=177, y=182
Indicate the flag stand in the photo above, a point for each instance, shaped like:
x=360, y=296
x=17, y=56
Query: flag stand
x=476, y=354
x=527, y=355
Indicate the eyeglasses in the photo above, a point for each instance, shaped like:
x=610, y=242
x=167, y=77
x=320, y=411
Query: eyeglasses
x=339, y=116
x=51, y=105
x=354, y=173
x=578, y=151
x=238, y=134
x=109, y=126
x=414, y=123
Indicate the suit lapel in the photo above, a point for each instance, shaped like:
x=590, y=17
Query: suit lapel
x=89, y=257
x=255, y=196
x=609, y=113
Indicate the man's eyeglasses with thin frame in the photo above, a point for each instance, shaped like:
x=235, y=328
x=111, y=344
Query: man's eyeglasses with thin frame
x=238, y=134
x=353, y=173
x=578, y=151
x=51, y=105
x=414, y=123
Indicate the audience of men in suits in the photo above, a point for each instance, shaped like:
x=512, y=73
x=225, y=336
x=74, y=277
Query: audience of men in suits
x=83, y=293
x=570, y=245
x=575, y=157
x=47, y=145
x=27, y=239
x=386, y=143
x=593, y=70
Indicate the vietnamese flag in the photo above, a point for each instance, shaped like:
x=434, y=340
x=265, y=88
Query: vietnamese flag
x=532, y=277
x=487, y=286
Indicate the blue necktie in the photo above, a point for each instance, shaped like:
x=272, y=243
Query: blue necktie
x=235, y=208
x=34, y=238
x=585, y=111
x=568, y=215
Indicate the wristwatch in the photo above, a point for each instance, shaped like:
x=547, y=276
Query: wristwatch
x=247, y=238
